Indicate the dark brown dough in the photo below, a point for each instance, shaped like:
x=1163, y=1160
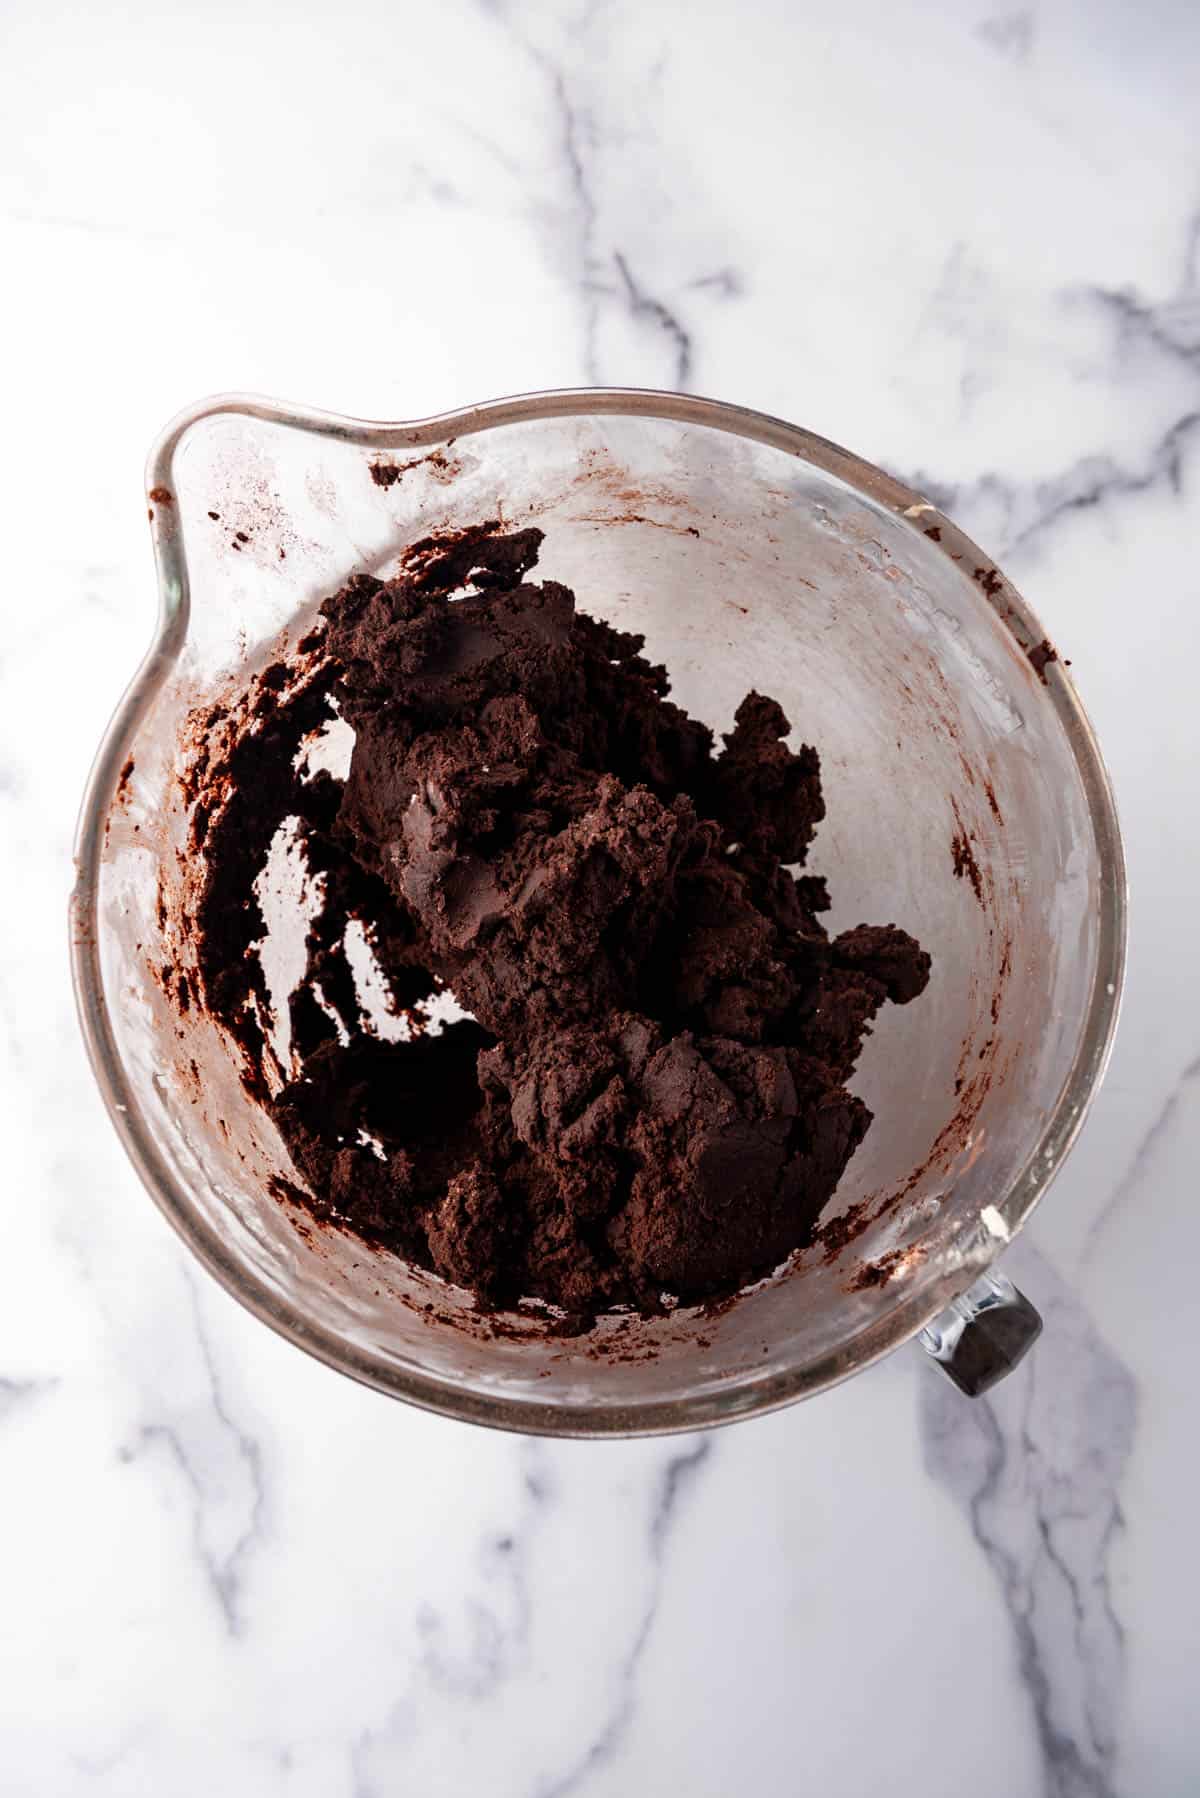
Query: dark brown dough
x=651, y=1098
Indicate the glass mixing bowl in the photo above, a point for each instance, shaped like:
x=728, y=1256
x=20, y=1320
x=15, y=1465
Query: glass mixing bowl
x=966, y=799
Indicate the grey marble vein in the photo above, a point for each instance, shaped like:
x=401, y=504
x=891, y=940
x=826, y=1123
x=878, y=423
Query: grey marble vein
x=1094, y=480
x=14, y=1394
x=599, y=266
x=726, y=283
x=679, y=1473
x=1018, y=515
x=1037, y=1468
x=1191, y=254
x=1013, y=516
x=1173, y=326
x=1011, y=34
x=98, y=1766
x=1139, y=1161
x=222, y=1469
x=137, y=232
x=498, y=1631
x=361, y=1785
x=498, y=1644
x=248, y=1453
x=645, y=309
x=583, y=208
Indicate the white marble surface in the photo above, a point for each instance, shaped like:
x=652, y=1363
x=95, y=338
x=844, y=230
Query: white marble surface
x=962, y=239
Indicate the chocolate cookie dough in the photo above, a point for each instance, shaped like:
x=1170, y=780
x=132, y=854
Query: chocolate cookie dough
x=649, y=1096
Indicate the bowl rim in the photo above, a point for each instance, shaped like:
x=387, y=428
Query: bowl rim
x=915, y=1308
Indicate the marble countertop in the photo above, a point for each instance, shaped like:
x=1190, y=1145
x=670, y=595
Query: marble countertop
x=964, y=240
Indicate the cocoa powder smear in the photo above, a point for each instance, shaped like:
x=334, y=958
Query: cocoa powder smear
x=649, y=1096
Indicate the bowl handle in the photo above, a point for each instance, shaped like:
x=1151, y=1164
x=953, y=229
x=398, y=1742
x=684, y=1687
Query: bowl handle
x=982, y=1335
